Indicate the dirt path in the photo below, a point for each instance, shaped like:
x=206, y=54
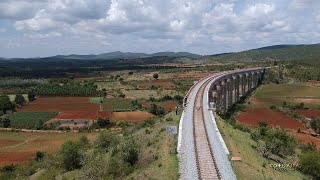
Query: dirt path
x=16, y=145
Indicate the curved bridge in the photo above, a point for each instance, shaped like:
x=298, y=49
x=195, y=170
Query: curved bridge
x=202, y=151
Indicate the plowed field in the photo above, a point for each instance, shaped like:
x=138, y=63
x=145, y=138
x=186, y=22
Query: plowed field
x=134, y=117
x=252, y=117
x=306, y=138
x=309, y=113
x=82, y=115
x=60, y=104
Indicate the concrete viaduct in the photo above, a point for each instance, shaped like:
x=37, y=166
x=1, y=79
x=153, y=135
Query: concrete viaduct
x=228, y=89
x=202, y=151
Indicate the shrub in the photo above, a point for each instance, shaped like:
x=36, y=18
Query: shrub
x=155, y=76
x=263, y=124
x=130, y=152
x=8, y=168
x=273, y=107
x=103, y=123
x=105, y=140
x=6, y=122
x=280, y=143
x=19, y=99
x=156, y=110
x=310, y=163
x=315, y=125
x=71, y=155
x=39, y=156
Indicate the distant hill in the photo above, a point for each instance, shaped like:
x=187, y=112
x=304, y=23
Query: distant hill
x=277, y=52
x=126, y=55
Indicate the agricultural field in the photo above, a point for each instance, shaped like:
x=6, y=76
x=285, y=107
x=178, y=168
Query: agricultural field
x=114, y=104
x=132, y=117
x=19, y=147
x=161, y=83
x=166, y=105
x=60, y=104
x=252, y=117
x=29, y=120
x=275, y=94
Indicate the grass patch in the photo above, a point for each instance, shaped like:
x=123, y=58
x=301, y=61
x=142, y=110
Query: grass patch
x=287, y=90
x=115, y=104
x=252, y=165
x=28, y=120
x=146, y=94
x=96, y=100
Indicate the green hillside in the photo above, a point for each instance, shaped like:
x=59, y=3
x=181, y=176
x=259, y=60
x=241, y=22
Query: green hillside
x=278, y=52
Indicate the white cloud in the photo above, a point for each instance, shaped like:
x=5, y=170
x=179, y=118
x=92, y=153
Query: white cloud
x=203, y=25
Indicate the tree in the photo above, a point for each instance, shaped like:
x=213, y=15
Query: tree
x=155, y=76
x=310, y=163
x=71, y=155
x=130, y=152
x=19, y=99
x=103, y=123
x=280, y=143
x=31, y=95
x=315, y=125
x=6, y=104
x=39, y=124
x=105, y=140
x=39, y=155
x=156, y=110
x=6, y=122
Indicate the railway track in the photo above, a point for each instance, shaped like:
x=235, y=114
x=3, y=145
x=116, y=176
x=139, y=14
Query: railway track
x=206, y=164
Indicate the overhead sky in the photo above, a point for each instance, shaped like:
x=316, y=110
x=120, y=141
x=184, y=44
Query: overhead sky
x=33, y=28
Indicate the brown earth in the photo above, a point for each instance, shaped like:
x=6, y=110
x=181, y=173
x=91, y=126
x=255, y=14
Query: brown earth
x=161, y=83
x=252, y=117
x=309, y=113
x=134, y=117
x=306, y=138
x=307, y=100
x=60, y=104
x=24, y=150
x=6, y=143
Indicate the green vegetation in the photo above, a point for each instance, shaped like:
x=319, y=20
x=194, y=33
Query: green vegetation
x=252, y=165
x=57, y=88
x=137, y=151
x=19, y=99
x=6, y=104
x=116, y=104
x=30, y=120
x=274, y=53
x=97, y=100
x=310, y=163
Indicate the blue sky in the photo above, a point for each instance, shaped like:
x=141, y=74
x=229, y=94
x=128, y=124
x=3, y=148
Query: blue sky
x=38, y=28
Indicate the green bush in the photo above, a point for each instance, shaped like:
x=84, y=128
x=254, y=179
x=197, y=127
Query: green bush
x=280, y=143
x=130, y=152
x=310, y=163
x=71, y=155
x=106, y=140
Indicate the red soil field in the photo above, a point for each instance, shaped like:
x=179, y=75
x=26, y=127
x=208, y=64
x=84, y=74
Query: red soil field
x=134, y=117
x=15, y=157
x=192, y=75
x=60, y=104
x=25, y=150
x=309, y=113
x=306, y=138
x=252, y=117
x=6, y=143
